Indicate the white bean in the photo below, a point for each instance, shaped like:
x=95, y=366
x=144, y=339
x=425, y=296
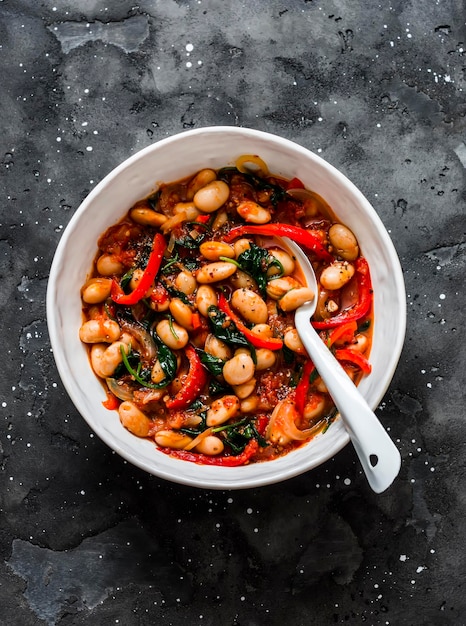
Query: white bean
x=241, y=280
x=344, y=242
x=286, y=260
x=186, y=283
x=147, y=217
x=96, y=290
x=201, y=179
x=187, y=209
x=262, y=330
x=214, y=272
x=294, y=298
x=210, y=445
x=240, y=246
x=361, y=344
x=134, y=419
x=182, y=313
x=174, y=336
x=222, y=410
x=265, y=358
x=205, y=297
x=135, y=278
x=106, y=358
x=213, y=250
x=99, y=331
x=239, y=369
x=97, y=352
x=212, y=196
x=109, y=265
x=293, y=342
x=172, y=439
x=157, y=374
x=253, y=213
x=250, y=306
x=245, y=390
x=314, y=407
x=336, y=275
x=217, y=348
x=250, y=404
x=278, y=287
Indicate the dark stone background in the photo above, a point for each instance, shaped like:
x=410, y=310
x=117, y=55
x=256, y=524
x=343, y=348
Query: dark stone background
x=378, y=91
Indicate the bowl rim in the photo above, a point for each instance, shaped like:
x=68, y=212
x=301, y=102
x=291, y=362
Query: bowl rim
x=220, y=479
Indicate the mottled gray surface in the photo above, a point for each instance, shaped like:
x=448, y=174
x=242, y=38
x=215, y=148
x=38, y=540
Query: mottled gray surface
x=378, y=91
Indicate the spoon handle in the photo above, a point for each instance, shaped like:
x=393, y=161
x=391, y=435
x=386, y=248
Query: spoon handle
x=378, y=454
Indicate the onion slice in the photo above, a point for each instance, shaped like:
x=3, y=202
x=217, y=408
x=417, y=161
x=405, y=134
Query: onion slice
x=121, y=390
x=143, y=338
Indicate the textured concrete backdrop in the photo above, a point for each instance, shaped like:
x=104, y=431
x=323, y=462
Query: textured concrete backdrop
x=378, y=91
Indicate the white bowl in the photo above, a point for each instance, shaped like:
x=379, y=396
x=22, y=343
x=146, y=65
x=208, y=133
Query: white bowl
x=172, y=159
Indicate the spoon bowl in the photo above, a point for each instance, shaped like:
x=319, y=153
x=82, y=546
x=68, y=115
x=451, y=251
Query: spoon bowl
x=379, y=457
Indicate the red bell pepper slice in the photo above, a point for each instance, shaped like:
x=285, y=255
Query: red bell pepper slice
x=345, y=333
x=294, y=183
x=155, y=258
x=112, y=402
x=305, y=237
x=303, y=387
x=203, y=219
x=354, y=357
x=196, y=321
x=270, y=343
x=262, y=422
x=225, y=461
x=363, y=305
x=195, y=381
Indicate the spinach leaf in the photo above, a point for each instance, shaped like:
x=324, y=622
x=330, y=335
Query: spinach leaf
x=277, y=192
x=167, y=360
x=196, y=407
x=237, y=435
x=153, y=199
x=168, y=267
x=142, y=376
x=133, y=359
x=175, y=293
x=288, y=355
x=216, y=388
x=191, y=264
x=213, y=364
x=125, y=279
x=255, y=261
x=225, y=329
x=189, y=242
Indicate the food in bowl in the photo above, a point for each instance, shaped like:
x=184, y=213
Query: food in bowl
x=189, y=314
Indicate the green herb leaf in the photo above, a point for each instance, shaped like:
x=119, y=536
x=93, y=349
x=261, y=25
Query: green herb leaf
x=139, y=375
x=175, y=293
x=238, y=434
x=225, y=329
x=167, y=360
x=153, y=199
x=212, y=363
x=190, y=243
x=255, y=261
x=216, y=388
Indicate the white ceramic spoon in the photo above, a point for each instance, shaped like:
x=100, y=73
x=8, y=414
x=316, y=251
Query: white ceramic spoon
x=378, y=454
